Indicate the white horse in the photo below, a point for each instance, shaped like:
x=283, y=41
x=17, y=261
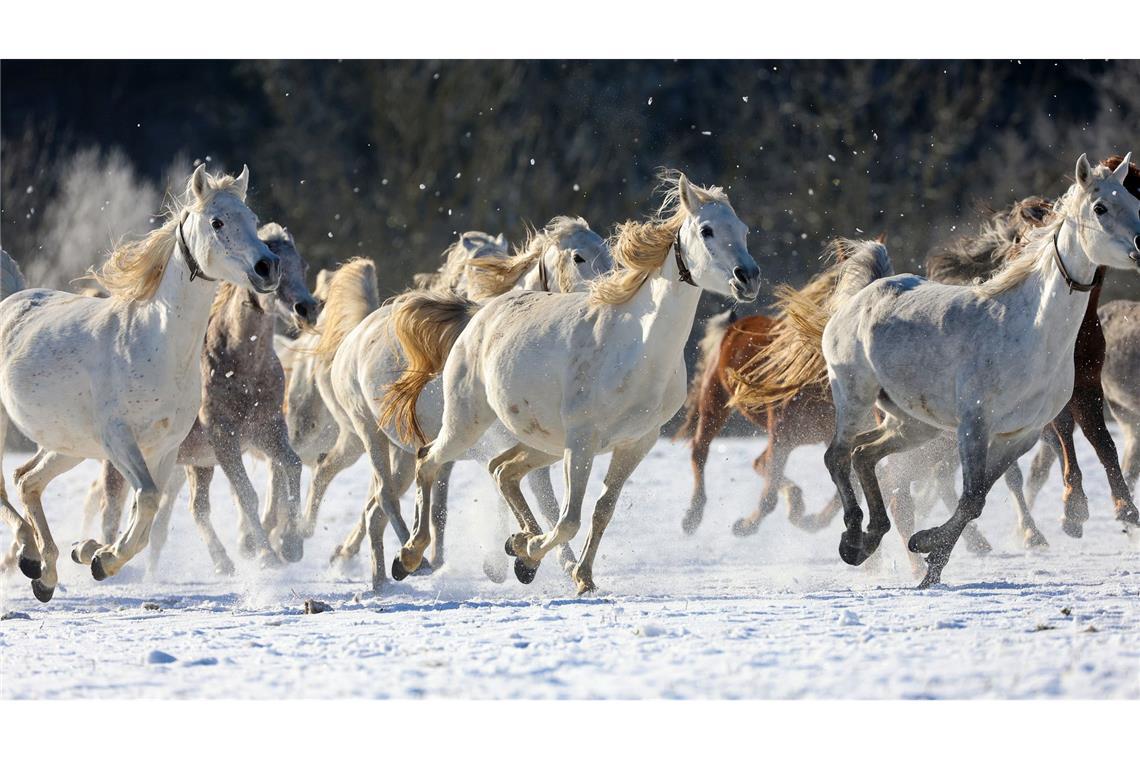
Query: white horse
x=992, y=362
x=574, y=375
x=118, y=378
x=563, y=257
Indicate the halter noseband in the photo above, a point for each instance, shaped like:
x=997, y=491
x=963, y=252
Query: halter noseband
x=191, y=262
x=1098, y=277
x=683, y=273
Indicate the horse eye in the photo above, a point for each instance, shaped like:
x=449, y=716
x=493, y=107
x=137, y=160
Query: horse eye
x=578, y=259
x=706, y=232
x=216, y=223
x=1099, y=209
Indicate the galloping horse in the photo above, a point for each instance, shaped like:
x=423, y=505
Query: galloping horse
x=242, y=392
x=573, y=375
x=562, y=257
x=994, y=362
x=118, y=378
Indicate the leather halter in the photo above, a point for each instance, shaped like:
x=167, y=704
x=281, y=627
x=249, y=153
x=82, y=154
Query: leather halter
x=683, y=273
x=1098, y=277
x=191, y=262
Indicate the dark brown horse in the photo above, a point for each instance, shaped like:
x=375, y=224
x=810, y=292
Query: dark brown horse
x=805, y=419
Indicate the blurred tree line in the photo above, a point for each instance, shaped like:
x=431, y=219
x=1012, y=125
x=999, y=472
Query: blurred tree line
x=392, y=159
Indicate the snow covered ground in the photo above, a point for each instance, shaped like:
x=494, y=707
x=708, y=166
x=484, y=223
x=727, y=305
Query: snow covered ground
x=774, y=615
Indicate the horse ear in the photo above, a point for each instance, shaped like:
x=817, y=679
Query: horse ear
x=470, y=243
x=1121, y=172
x=1084, y=171
x=690, y=201
x=199, y=182
x=501, y=241
x=241, y=184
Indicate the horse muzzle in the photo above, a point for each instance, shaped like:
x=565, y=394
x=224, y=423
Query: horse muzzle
x=265, y=275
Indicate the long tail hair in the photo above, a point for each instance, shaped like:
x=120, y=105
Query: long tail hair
x=427, y=325
x=794, y=359
x=708, y=351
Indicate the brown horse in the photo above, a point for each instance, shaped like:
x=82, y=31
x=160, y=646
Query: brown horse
x=805, y=419
x=982, y=257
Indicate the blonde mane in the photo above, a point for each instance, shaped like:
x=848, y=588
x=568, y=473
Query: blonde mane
x=134, y=269
x=491, y=276
x=640, y=248
x=352, y=295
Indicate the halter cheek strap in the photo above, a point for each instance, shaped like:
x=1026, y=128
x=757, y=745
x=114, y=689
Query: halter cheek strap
x=191, y=262
x=683, y=273
x=1098, y=277
x=543, y=277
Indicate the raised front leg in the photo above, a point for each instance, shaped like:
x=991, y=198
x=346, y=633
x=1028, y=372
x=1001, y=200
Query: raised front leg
x=577, y=462
x=508, y=470
x=712, y=413
x=1088, y=411
x=624, y=462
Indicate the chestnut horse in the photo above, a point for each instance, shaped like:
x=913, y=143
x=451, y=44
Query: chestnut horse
x=808, y=418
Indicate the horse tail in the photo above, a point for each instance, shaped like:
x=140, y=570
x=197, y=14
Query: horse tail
x=427, y=325
x=794, y=359
x=708, y=350
x=11, y=278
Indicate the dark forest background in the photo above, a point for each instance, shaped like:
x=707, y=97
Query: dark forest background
x=393, y=159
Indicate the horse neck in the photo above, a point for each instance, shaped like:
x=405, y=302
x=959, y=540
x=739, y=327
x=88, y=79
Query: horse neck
x=1058, y=312
x=665, y=308
x=247, y=318
x=184, y=305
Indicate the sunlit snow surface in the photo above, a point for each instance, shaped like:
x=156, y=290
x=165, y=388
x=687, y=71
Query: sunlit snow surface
x=773, y=615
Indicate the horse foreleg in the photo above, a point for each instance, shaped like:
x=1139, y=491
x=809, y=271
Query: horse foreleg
x=624, y=462
x=284, y=483
x=577, y=463
x=161, y=530
x=1088, y=410
x=343, y=455
x=775, y=459
x=713, y=412
x=229, y=459
x=1076, y=503
x=1043, y=460
x=113, y=489
x=200, y=479
x=439, y=512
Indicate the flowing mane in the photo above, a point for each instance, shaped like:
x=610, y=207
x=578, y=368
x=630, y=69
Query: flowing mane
x=640, y=248
x=352, y=295
x=1034, y=252
x=134, y=269
x=491, y=276
x=793, y=361
x=972, y=258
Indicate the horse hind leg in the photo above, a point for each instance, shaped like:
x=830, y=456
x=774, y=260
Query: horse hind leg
x=161, y=530
x=200, y=479
x=1076, y=511
x=853, y=414
x=547, y=502
x=508, y=470
x=775, y=458
x=1031, y=537
x=1088, y=410
x=30, y=486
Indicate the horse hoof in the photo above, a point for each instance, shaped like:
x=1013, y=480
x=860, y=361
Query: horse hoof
x=852, y=551
x=1035, y=540
x=225, y=569
x=425, y=568
x=509, y=548
x=97, y=571
x=524, y=572
x=32, y=568
x=494, y=570
x=398, y=571
x=979, y=545
x=744, y=527
x=922, y=542
x=42, y=592
x=1072, y=528
x=293, y=549
x=690, y=523
x=248, y=547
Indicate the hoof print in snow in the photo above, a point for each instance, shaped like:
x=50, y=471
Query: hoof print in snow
x=15, y=615
x=313, y=607
x=151, y=607
x=158, y=657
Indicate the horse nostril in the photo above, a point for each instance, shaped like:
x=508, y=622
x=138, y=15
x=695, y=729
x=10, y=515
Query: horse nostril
x=740, y=275
x=301, y=310
x=263, y=268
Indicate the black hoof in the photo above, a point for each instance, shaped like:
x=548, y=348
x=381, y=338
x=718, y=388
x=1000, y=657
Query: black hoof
x=425, y=568
x=509, y=547
x=75, y=557
x=1072, y=528
x=523, y=572
x=852, y=551
x=922, y=542
x=398, y=571
x=293, y=549
x=32, y=568
x=42, y=592
x=97, y=571
x=744, y=527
